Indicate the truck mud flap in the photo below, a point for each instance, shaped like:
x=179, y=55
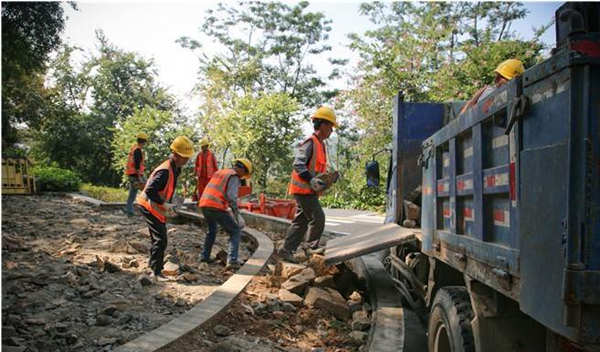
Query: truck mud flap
x=382, y=237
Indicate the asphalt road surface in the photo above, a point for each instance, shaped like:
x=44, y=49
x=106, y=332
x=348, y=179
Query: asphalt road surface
x=350, y=222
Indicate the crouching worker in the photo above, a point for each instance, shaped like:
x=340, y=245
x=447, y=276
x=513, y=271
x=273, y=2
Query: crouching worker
x=154, y=201
x=220, y=194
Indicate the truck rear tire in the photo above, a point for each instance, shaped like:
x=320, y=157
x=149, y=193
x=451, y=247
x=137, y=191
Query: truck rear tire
x=450, y=321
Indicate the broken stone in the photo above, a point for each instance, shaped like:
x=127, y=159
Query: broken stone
x=139, y=246
x=289, y=297
x=317, y=262
x=221, y=330
x=103, y=320
x=170, y=269
x=412, y=211
x=359, y=336
x=288, y=307
x=278, y=314
x=144, y=280
x=409, y=223
x=104, y=341
x=325, y=281
x=355, y=296
x=360, y=321
x=222, y=257
x=327, y=299
x=290, y=269
x=110, y=310
x=299, y=282
x=189, y=277
x=300, y=257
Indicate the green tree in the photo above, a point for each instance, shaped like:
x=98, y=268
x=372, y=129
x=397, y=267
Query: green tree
x=162, y=127
x=89, y=101
x=30, y=31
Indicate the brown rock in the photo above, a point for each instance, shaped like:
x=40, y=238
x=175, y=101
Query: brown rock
x=298, y=283
x=189, y=277
x=317, y=262
x=290, y=269
x=325, y=281
x=139, y=246
x=412, y=211
x=409, y=223
x=355, y=296
x=329, y=300
x=170, y=269
x=289, y=297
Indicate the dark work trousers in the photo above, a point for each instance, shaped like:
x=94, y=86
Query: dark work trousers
x=309, y=216
x=216, y=217
x=158, y=237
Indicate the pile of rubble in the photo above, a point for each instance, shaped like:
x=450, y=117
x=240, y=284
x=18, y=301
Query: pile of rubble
x=75, y=278
x=291, y=307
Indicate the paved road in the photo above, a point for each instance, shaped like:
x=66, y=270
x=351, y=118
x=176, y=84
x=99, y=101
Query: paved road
x=351, y=222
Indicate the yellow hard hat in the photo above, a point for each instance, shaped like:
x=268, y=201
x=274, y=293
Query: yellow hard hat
x=204, y=142
x=183, y=146
x=325, y=113
x=510, y=68
x=247, y=164
x=142, y=135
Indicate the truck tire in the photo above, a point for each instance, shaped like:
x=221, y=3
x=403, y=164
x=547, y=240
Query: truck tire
x=450, y=321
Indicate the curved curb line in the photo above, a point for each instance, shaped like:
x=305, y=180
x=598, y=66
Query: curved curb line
x=394, y=328
x=204, y=311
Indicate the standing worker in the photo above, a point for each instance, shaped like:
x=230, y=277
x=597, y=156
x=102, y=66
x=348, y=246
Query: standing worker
x=135, y=170
x=154, y=201
x=310, y=160
x=506, y=71
x=221, y=193
x=205, y=167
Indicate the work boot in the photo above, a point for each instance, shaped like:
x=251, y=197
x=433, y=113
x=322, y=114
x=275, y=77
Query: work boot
x=318, y=250
x=207, y=260
x=286, y=256
x=233, y=266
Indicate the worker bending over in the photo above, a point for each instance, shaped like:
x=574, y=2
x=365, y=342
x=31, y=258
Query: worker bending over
x=506, y=71
x=204, y=168
x=305, y=185
x=220, y=194
x=135, y=170
x=154, y=201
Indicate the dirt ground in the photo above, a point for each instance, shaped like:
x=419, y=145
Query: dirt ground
x=74, y=276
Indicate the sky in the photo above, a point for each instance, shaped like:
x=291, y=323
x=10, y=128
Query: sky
x=151, y=28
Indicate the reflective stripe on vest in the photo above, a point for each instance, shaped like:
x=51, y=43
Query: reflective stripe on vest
x=316, y=165
x=214, y=193
x=130, y=168
x=158, y=210
x=207, y=163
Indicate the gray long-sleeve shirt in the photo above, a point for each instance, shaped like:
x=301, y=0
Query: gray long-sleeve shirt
x=232, y=192
x=303, y=153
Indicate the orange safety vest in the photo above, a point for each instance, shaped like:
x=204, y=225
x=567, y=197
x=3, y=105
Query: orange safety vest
x=158, y=210
x=130, y=168
x=214, y=193
x=210, y=163
x=316, y=165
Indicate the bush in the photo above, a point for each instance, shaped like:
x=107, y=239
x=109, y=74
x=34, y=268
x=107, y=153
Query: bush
x=49, y=178
x=107, y=194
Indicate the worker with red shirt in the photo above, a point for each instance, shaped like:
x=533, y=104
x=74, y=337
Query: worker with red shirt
x=205, y=167
x=135, y=170
x=155, y=200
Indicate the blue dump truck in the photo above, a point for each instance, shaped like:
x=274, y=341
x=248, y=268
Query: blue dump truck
x=507, y=257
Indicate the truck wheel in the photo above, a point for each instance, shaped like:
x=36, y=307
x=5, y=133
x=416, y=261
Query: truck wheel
x=450, y=321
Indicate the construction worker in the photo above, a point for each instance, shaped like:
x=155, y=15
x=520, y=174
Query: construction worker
x=220, y=194
x=506, y=71
x=309, y=161
x=135, y=170
x=154, y=201
x=205, y=167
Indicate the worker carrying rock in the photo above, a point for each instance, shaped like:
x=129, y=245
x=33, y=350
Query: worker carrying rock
x=135, y=170
x=221, y=194
x=155, y=200
x=309, y=179
x=204, y=168
x=506, y=71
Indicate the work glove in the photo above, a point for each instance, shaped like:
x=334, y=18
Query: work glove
x=317, y=184
x=238, y=219
x=170, y=207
